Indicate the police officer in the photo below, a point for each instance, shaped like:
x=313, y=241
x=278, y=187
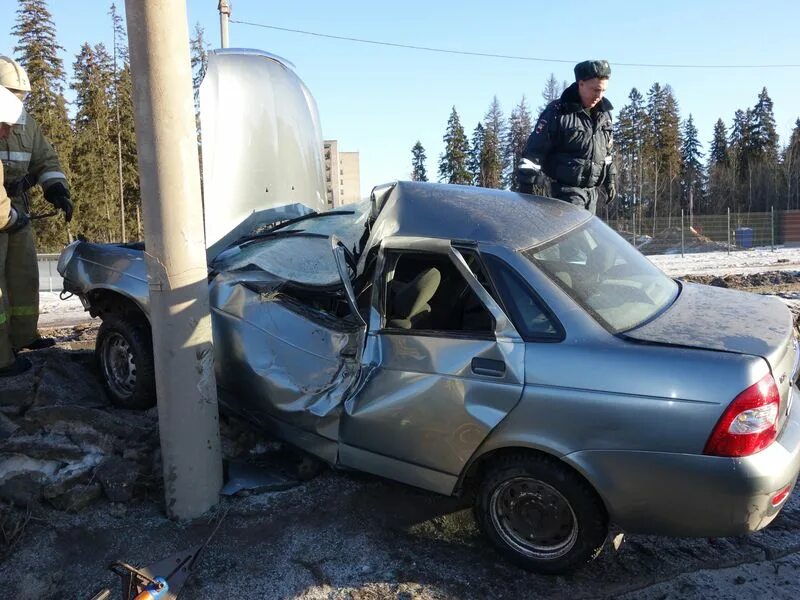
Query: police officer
x=571, y=142
x=28, y=159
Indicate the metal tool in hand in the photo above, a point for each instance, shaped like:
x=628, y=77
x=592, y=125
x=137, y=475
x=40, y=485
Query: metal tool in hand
x=43, y=215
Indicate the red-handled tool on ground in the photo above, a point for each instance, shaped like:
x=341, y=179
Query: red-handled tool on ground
x=160, y=581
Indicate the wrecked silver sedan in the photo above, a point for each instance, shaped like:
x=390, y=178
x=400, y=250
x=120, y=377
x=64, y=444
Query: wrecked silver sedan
x=475, y=341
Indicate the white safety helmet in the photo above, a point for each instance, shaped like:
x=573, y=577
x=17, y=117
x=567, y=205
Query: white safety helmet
x=10, y=107
x=14, y=77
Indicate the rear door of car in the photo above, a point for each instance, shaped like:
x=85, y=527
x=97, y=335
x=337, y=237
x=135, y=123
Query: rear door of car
x=435, y=383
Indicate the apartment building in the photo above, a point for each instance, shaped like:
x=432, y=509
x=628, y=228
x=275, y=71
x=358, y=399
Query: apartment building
x=342, y=175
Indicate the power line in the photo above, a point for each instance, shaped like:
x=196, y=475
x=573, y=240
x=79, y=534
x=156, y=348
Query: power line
x=505, y=56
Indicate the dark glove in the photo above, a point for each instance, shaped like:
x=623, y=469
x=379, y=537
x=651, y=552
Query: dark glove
x=611, y=192
x=17, y=188
x=530, y=174
x=58, y=195
x=17, y=222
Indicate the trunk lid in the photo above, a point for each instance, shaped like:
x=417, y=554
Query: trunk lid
x=726, y=320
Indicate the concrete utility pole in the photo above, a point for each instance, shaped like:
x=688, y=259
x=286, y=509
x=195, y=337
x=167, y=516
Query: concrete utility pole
x=176, y=255
x=224, y=8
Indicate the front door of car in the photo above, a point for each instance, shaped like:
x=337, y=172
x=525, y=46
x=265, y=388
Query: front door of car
x=288, y=351
x=441, y=367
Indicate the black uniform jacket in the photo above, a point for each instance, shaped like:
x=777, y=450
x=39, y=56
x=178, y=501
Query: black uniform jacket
x=573, y=146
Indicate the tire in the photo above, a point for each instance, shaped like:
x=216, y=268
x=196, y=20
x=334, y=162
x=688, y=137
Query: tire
x=540, y=514
x=124, y=352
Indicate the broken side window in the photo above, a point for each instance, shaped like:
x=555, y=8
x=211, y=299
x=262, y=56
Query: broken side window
x=425, y=292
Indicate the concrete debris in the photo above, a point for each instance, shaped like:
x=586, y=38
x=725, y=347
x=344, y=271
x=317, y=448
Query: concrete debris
x=7, y=427
x=118, y=478
x=78, y=497
x=62, y=443
x=23, y=489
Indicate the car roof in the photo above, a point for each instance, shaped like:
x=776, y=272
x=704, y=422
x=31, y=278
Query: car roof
x=470, y=213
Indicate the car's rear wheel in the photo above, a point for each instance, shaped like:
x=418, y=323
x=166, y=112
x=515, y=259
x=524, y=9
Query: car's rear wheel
x=540, y=514
x=124, y=351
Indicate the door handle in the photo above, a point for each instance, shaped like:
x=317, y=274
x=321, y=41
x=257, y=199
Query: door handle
x=488, y=367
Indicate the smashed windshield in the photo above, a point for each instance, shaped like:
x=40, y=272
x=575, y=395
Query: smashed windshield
x=300, y=252
x=347, y=223
x=606, y=276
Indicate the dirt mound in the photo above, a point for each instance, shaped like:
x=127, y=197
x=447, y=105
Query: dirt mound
x=668, y=241
x=770, y=279
x=784, y=284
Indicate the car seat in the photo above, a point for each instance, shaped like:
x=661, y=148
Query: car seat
x=409, y=301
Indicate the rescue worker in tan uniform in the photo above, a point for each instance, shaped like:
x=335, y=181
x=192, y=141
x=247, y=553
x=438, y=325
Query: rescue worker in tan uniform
x=28, y=159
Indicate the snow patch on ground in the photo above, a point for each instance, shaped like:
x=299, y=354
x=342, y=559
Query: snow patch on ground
x=722, y=263
x=54, y=312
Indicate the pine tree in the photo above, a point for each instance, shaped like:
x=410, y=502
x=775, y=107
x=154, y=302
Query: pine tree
x=662, y=147
x=95, y=153
x=670, y=138
x=122, y=101
x=763, y=136
x=791, y=168
x=453, y=161
x=475, y=151
x=198, y=52
x=719, y=170
x=519, y=129
x=718, y=155
x=762, y=173
x=493, y=153
x=418, y=158
x=691, y=167
x=631, y=135
x=552, y=91
x=38, y=52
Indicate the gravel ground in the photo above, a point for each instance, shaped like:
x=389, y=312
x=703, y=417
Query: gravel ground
x=350, y=536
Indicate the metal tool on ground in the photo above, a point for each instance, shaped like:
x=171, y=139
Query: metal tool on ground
x=160, y=581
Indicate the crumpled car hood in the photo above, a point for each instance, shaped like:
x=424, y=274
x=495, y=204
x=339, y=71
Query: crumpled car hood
x=261, y=140
x=721, y=319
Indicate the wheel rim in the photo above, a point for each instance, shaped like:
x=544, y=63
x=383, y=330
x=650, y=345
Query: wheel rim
x=533, y=518
x=119, y=366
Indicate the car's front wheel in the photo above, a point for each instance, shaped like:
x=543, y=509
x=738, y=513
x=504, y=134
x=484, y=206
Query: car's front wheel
x=540, y=514
x=124, y=351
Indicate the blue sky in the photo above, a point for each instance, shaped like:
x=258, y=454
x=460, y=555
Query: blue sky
x=379, y=100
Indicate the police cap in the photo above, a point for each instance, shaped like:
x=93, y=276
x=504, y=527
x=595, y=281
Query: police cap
x=589, y=69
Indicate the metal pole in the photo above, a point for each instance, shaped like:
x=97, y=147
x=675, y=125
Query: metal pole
x=633, y=235
x=224, y=9
x=176, y=266
x=682, y=248
x=729, y=230
x=772, y=227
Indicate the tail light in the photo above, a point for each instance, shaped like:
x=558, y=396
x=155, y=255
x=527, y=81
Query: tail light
x=749, y=424
x=782, y=495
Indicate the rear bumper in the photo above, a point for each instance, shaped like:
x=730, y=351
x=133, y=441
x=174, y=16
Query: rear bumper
x=694, y=495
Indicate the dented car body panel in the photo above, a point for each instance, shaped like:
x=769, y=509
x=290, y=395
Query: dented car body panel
x=426, y=339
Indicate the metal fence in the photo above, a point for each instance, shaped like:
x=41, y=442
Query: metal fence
x=707, y=233
x=49, y=279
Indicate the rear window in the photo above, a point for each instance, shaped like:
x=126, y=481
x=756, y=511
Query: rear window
x=605, y=275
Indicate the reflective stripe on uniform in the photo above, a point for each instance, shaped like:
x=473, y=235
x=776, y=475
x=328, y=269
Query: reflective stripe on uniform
x=15, y=156
x=24, y=311
x=48, y=175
